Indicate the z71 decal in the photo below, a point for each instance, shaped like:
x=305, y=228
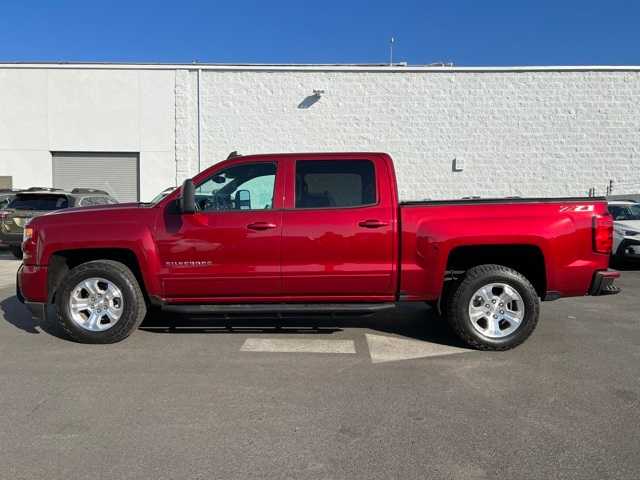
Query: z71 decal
x=577, y=208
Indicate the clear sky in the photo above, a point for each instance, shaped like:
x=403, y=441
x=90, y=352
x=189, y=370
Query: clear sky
x=515, y=32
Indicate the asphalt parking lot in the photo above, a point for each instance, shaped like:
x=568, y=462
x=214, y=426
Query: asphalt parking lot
x=389, y=396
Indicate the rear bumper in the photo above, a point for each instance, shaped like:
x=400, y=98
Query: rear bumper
x=11, y=239
x=603, y=283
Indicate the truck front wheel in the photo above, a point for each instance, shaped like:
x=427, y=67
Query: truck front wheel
x=493, y=308
x=100, y=302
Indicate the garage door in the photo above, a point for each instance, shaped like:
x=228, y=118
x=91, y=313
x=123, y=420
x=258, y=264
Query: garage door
x=116, y=173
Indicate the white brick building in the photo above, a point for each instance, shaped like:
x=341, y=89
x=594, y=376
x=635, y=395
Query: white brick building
x=535, y=131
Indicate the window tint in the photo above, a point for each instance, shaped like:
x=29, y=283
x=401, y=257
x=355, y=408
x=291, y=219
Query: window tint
x=334, y=183
x=241, y=187
x=86, y=201
x=625, y=212
x=39, y=202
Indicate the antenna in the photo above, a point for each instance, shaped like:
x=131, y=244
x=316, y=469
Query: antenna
x=391, y=42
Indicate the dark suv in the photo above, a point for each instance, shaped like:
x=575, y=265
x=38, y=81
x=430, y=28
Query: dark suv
x=37, y=201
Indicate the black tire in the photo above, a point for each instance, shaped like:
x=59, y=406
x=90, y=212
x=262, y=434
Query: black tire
x=460, y=297
x=16, y=251
x=134, y=308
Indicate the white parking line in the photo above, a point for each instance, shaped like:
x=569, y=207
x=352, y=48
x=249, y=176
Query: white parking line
x=391, y=349
x=297, y=345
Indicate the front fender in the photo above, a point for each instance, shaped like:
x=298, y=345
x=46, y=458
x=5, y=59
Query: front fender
x=130, y=235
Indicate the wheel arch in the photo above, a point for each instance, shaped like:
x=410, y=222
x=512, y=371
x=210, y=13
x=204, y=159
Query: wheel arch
x=529, y=260
x=61, y=262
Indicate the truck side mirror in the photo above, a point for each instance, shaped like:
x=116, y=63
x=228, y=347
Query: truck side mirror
x=187, y=199
x=243, y=200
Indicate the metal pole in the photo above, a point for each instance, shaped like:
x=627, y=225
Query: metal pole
x=391, y=51
x=198, y=108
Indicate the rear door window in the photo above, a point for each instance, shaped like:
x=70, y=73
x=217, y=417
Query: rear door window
x=335, y=183
x=39, y=202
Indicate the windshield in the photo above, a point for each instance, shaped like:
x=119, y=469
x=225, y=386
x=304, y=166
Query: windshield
x=162, y=194
x=39, y=202
x=625, y=212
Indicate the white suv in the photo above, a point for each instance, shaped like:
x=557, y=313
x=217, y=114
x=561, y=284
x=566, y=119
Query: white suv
x=626, y=229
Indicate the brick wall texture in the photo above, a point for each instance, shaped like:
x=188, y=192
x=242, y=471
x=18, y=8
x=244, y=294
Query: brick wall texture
x=526, y=133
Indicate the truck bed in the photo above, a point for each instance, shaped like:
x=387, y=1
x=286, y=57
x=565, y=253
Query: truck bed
x=504, y=200
x=554, y=234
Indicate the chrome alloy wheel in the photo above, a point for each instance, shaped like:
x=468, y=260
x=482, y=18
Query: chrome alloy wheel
x=496, y=310
x=96, y=304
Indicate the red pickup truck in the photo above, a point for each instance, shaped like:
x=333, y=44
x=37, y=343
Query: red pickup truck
x=295, y=233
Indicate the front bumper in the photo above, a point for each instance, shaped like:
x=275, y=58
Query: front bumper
x=629, y=248
x=35, y=279
x=603, y=283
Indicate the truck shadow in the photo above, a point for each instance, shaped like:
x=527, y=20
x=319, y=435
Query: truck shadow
x=17, y=315
x=414, y=321
x=625, y=265
x=417, y=322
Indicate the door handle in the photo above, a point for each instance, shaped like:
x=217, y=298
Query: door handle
x=261, y=226
x=371, y=223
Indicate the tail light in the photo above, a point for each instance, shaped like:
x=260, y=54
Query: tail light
x=603, y=234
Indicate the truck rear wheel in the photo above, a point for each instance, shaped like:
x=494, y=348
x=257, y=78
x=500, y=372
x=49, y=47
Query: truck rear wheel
x=493, y=308
x=100, y=302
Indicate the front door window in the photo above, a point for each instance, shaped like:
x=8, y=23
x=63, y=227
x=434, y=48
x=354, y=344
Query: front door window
x=241, y=187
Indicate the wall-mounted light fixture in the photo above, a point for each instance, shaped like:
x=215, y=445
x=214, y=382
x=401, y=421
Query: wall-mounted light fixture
x=311, y=99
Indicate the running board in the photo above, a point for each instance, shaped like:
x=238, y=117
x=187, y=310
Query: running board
x=277, y=308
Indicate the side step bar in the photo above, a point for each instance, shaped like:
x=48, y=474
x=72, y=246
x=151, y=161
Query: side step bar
x=277, y=308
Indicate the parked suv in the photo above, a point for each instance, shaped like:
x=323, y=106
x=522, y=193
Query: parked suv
x=36, y=201
x=626, y=233
x=6, y=195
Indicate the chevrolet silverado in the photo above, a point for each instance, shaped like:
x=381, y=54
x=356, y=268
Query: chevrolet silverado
x=294, y=233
